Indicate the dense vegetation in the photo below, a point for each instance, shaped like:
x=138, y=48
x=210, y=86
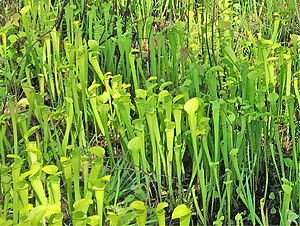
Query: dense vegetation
x=142, y=112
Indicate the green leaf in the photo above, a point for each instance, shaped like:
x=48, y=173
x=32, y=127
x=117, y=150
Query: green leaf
x=31, y=147
x=252, y=75
x=215, y=69
x=169, y=125
x=63, y=159
x=230, y=53
x=152, y=78
x=289, y=163
x=286, y=188
x=133, y=51
x=25, y=209
x=36, y=166
x=29, y=132
x=105, y=178
x=266, y=42
x=93, y=86
x=113, y=218
x=13, y=156
x=292, y=217
x=162, y=94
x=36, y=214
x=138, y=205
x=93, y=220
x=161, y=207
x=178, y=97
x=140, y=93
x=69, y=100
x=93, y=44
x=52, y=209
x=135, y=144
x=26, y=174
x=25, y=10
x=104, y=97
x=273, y=97
x=219, y=221
x=55, y=218
x=23, y=102
x=191, y=106
x=180, y=211
x=50, y=169
x=97, y=150
x=164, y=85
x=234, y=152
x=81, y=204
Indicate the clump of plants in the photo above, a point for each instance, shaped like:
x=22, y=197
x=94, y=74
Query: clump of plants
x=149, y=112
